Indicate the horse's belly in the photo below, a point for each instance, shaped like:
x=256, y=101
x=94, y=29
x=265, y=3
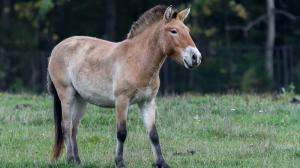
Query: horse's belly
x=100, y=100
x=101, y=95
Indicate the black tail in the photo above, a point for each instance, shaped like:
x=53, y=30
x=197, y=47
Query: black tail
x=58, y=139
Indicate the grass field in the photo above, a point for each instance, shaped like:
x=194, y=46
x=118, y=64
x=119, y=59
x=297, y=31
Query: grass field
x=195, y=131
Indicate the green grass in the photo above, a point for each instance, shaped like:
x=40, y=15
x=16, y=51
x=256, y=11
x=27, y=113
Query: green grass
x=195, y=131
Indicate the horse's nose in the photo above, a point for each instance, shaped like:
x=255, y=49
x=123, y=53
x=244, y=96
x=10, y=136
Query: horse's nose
x=194, y=59
x=191, y=57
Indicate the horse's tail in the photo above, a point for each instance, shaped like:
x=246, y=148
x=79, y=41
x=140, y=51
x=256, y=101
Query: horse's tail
x=58, y=137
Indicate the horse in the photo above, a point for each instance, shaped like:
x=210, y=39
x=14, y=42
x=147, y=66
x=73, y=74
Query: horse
x=85, y=70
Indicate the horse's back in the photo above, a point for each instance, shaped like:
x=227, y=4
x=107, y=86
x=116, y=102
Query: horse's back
x=74, y=50
x=73, y=45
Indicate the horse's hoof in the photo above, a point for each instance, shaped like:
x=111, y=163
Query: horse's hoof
x=72, y=160
x=119, y=163
x=162, y=165
x=77, y=160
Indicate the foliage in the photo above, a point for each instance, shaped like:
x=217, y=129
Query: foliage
x=289, y=93
x=35, y=26
x=249, y=80
x=209, y=19
x=239, y=9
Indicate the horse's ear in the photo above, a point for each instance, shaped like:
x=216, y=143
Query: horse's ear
x=182, y=15
x=169, y=13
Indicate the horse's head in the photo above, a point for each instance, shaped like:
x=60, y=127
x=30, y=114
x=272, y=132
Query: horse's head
x=176, y=39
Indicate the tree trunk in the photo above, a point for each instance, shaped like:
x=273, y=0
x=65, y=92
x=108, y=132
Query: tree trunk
x=6, y=9
x=6, y=62
x=270, y=39
x=110, y=20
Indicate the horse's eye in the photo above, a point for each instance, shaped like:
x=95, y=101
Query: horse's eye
x=173, y=31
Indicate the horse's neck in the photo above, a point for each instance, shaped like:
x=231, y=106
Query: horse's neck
x=151, y=55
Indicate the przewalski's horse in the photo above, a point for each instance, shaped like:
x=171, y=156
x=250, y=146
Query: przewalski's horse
x=85, y=69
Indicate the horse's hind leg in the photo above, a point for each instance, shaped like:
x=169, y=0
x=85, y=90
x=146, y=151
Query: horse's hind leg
x=68, y=103
x=77, y=112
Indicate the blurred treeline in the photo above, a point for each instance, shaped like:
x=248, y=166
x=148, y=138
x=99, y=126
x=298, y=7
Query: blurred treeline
x=247, y=45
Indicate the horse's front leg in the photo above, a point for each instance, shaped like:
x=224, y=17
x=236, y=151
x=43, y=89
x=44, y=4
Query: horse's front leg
x=122, y=104
x=148, y=111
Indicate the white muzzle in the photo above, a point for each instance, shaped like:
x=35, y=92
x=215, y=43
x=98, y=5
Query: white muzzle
x=191, y=57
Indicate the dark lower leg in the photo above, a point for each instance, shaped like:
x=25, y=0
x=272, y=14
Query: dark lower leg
x=74, y=144
x=121, y=136
x=160, y=161
x=68, y=144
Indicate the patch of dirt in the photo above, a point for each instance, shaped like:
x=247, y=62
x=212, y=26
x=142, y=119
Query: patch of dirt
x=22, y=106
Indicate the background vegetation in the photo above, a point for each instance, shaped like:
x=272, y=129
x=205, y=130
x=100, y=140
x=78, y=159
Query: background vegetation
x=247, y=45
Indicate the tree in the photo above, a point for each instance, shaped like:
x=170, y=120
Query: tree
x=110, y=20
x=270, y=41
x=270, y=18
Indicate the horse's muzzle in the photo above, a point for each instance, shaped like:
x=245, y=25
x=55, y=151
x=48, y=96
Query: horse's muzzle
x=191, y=57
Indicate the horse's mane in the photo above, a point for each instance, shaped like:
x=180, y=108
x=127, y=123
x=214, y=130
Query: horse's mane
x=148, y=18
